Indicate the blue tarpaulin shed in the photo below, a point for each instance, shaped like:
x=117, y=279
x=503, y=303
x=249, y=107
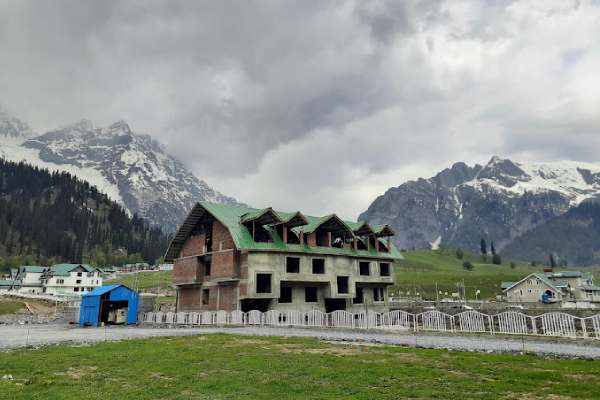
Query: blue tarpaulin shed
x=109, y=304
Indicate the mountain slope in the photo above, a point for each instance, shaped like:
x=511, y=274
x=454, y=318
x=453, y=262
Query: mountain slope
x=572, y=238
x=499, y=201
x=54, y=215
x=130, y=168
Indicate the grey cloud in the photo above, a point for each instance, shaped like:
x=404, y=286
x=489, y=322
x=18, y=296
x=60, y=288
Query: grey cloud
x=309, y=101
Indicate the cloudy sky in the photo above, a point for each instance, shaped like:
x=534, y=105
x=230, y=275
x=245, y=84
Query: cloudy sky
x=314, y=105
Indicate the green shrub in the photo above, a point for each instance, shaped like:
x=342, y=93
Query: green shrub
x=459, y=254
x=467, y=265
x=496, y=259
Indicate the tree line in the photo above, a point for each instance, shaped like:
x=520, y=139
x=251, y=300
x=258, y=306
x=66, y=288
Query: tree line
x=48, y=217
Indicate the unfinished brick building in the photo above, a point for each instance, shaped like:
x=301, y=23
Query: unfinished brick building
x=229, y=258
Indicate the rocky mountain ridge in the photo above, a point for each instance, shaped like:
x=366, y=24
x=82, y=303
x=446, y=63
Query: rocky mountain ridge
x=132, y=169
x=498, y=201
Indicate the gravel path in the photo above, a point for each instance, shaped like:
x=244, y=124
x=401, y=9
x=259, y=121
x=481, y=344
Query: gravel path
x=13, y=336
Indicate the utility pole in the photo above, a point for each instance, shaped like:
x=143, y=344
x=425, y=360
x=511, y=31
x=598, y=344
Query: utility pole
x=437, y=295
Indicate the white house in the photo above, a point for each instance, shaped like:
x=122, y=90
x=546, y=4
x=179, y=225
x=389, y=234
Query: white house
x=27, y=279
x=70, y=279
x=553, y=287
x=59, y=279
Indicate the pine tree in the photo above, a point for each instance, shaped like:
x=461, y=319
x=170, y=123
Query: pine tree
x=492, y=248
x=483, y=247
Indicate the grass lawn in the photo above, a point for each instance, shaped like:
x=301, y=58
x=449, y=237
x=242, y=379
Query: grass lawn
x=235, y=367
x=145, y=280
x=10, y=306
x=420, y=270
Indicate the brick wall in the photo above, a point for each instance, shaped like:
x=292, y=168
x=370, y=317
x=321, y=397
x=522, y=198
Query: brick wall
x=221, y=238
x=194, y=245
x=312, y=239
x=186, y=270
x=228, y=297
x=188, y=299
x=224, y=263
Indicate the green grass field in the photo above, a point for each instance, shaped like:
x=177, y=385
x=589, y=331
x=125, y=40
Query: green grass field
x=145, y=280
x=11, y=306
x=235, y=367
x=420, y=270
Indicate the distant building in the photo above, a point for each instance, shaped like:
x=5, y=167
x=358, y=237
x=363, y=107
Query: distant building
x=135, y=267
x=236, y=258
x=165, y=267
x=59, y=279
x=551, y=287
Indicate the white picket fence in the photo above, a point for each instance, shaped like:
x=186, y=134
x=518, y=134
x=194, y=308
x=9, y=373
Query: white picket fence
x=556, y=324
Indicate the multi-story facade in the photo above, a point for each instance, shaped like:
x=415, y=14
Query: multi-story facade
x=71, y=279
x=59, y=279
x=551, y=287
x=229, y=258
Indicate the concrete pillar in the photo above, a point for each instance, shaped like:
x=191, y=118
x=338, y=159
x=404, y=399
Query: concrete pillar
x=328, y=239
x=285, y=234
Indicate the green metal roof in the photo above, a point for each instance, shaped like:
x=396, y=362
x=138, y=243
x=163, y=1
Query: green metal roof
x=256, y=215
x=7, y=282
x=65, y=269
x=230, y=216
x=541, y=277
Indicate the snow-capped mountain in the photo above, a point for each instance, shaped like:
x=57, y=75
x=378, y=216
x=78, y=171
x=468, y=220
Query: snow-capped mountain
x=498, y=201
x=131, y=168
x=13, y=129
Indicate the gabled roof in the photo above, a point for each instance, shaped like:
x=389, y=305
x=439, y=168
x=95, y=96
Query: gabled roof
x=361, y=228
x=292, y=220
x=383, y=230
x=230, y=216
x=329, y=221
x=535, y=275
x=65, y=269
x=265, y=216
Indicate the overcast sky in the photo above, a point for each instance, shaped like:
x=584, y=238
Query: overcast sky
x=314, y=105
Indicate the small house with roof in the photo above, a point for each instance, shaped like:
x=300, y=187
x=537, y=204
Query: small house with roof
x=237, y=258
x=27, y=279
x=71, y=279
x=59, y=279
x=551, y=287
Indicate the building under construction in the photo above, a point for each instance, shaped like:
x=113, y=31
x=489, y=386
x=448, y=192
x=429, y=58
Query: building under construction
x=230, y=257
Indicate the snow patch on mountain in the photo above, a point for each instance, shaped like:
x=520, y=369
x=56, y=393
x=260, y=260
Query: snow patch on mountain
x=13, y=151
x=577, y=181
x=499, y=201
x=131, y=168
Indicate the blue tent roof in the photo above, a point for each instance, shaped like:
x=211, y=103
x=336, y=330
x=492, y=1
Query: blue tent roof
x=100, y=290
